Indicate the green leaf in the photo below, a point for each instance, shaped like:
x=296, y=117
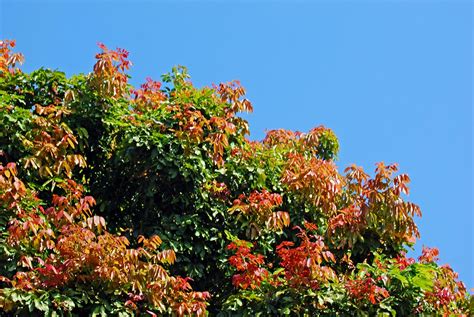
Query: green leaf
x=41, y=305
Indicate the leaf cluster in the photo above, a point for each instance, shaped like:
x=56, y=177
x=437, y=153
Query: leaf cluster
x=259, y=228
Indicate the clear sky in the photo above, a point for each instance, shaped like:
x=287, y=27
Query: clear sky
x=393, y=79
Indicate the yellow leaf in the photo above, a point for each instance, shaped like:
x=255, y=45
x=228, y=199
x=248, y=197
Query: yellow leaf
x=70, y=143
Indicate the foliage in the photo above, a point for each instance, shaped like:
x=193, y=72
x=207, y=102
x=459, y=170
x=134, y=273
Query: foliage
x=306, y=283
x=259, y=228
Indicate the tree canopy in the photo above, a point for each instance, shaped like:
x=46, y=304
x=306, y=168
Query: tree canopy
x=116, y=200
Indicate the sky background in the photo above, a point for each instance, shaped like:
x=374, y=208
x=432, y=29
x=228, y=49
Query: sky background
x=393, y=79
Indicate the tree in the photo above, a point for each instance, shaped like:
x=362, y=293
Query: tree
x=259, y=228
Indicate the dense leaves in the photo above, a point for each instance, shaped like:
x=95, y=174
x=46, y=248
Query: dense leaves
x=260, y=228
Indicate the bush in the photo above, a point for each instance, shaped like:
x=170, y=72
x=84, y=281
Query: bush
x=259, y=228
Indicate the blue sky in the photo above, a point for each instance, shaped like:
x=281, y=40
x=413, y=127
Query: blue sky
x=393, y=79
